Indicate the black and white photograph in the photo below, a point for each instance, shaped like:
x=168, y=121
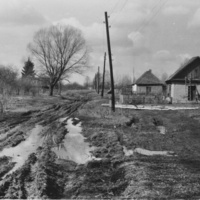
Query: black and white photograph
x=100, y=99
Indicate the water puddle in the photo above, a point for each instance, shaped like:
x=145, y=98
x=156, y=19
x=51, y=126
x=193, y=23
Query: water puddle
x=74, y=146
x=161, y=129
x=20, y=153
x=153, y=153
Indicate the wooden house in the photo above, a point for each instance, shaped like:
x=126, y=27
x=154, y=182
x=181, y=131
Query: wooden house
x=184, y=84
x=148, y=84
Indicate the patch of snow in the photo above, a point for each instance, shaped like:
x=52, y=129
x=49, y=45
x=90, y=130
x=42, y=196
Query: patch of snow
x=153, y=153
x=161, y=129
x=127, y=152
x=147, y=107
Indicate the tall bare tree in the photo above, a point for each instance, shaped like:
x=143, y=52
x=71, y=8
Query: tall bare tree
x=164, y=77
x=61, y=51
x=8, y=84
x=87, y=81
x=123, y=81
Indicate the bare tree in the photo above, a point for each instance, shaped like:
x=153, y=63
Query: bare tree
x=106, y=81
x=8, y=84
x=164, y=77
x=123, y=81
x=61, y=51
x=134, y=79
x=87, y=81
x=8, y=78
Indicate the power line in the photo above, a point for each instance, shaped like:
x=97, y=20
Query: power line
x=119, y=12
x=149, y=21
x=114, y=7
x=153, y=8
x=111, y=12
x=156, y=5
x=99, y=19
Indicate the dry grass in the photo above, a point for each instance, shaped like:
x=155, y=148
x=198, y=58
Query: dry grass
x=149, y=176
x=116, y=175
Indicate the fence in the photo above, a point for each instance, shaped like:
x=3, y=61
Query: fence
x=142, y=99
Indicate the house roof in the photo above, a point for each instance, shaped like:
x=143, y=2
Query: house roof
x=148, y=78
x=184, y=70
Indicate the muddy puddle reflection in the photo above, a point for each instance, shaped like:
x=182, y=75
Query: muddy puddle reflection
x=74, y=146
x=20, y=153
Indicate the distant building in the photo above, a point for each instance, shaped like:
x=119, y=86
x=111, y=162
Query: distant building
x=148, y=84
x=184, y=84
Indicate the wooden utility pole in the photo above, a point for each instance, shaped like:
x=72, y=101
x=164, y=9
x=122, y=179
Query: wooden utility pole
x=95, y=82
x=110, y=62
x=104, y=70
x=98, y=81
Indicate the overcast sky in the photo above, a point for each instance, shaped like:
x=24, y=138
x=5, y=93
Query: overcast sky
x=145, y=34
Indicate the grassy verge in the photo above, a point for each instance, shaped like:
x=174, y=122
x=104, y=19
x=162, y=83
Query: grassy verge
x=147, y=176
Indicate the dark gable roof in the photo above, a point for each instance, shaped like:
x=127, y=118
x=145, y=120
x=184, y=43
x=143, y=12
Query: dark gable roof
x=148, y=79
x=184, y=70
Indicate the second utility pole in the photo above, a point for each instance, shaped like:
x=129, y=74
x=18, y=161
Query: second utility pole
x=98, y=81
x=104, y=70
x=110, y=62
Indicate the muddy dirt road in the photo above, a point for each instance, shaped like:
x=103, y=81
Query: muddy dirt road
x=74, y=148
x=29, y=144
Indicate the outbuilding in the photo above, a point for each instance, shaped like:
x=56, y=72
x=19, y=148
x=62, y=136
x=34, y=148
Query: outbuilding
x=148, y=84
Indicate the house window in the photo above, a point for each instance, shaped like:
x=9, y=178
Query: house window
x=148, y=90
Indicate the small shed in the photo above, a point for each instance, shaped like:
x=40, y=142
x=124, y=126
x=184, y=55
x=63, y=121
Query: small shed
x=184, y=85
x=148, y=84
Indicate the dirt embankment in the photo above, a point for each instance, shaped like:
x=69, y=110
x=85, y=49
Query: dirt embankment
x=115, y=168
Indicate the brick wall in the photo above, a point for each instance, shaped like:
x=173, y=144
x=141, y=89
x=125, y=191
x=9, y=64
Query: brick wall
x=179, y=93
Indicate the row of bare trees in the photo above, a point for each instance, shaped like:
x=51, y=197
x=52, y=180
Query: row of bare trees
x=120, y=81
x=12, y=84
x=58, y=51
x=9, y=84
x=98, y=81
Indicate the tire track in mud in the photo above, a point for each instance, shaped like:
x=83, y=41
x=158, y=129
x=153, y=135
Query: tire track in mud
x=42, y=175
